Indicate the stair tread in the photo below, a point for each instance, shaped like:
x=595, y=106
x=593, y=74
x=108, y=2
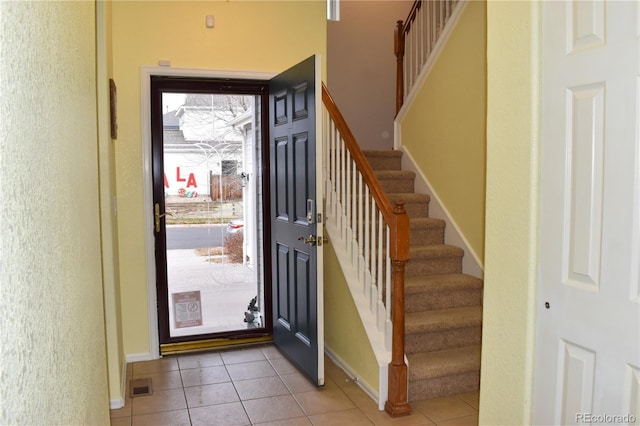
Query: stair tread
x=434, y=251
x=408, y=196
x=443, y=319
x=448, y=362
x=454, y=281
x=394, y=174
x=382, y=153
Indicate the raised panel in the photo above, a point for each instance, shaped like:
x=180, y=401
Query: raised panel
x=281, y=165
x=586, y=25
x=632, y=393
x=576, y=368
x=301, y=175
x=283, y=298
x=301, y=101
x=585, y=154
x=280, y=108
x=303, y=279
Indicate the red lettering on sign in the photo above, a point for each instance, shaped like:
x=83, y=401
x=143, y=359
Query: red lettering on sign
x=166, y=182
x=178, y=178
x=192, y=181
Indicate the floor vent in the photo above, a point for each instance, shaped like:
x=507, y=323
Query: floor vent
x=141, y=387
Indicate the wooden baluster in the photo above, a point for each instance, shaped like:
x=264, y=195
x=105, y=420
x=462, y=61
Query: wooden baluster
x=399, y=51
x=381, y=255
x=374, y=257
x=361, y=197
x=387, y=301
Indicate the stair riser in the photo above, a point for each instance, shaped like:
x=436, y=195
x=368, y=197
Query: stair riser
x=427, y=236
x=444, y=386
x=416, y=209
x=444, y=339
x=385, y=163
x=432, y=300
x=426, y=266
x=397, y=184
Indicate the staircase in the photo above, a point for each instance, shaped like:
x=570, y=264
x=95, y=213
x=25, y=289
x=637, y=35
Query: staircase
x=443, y=306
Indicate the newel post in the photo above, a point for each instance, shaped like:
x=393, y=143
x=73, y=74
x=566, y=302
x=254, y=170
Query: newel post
x=397, y=403
x=399, y=51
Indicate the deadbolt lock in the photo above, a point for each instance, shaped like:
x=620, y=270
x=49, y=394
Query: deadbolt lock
x=312, y=240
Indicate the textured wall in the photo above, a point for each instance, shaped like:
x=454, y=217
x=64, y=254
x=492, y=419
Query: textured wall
x=444, y=130
x=52, y=347
x=510, y=281
x=265, y=36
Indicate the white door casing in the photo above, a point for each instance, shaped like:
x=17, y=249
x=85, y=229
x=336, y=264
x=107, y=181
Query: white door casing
x=588, y=314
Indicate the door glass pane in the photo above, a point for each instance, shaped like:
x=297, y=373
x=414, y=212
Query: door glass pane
x=212, y=201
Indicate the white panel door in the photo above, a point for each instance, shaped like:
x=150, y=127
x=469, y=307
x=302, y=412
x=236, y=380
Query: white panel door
x=588, y=317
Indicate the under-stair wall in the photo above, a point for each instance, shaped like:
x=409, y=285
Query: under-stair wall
x=441, y=129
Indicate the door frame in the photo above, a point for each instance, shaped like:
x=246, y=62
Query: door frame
x=149, y=241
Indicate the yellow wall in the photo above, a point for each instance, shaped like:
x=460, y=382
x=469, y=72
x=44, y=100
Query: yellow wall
x=52, y=335
x=344, y=334
x=264, y=36
x=108, y=219
x=444, y=130
x=512, y=206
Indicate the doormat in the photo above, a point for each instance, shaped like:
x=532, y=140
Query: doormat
x=141, y=387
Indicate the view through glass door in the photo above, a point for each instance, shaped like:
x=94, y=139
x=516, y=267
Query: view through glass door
x=208, y=208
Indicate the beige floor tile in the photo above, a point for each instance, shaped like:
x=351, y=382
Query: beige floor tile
x=439, y=409
x=351, y=417
x=381, y=418
x=251, y=370
x=471, y=398
x=155, y=366
x=199, y=360
x=298, y=421
x=323, y=400
x=461, y=421
x=296, y=382
x=120, y=421
x=164, y=400
x=177, y=418
x=204, y=376
x=242, y=355
x=219, y=393
x=271, y=352
x=124, y=411
x=231, y=414
x=162, y=381
x=260, y=388
x=283, y=366
x=272, y=408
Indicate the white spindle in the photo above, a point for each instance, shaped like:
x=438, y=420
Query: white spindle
x=347, y=202
x=389, y=325
x=367, y=246
x=354, y=217
x=361, y=196
x=381, y=255
x=374, y=255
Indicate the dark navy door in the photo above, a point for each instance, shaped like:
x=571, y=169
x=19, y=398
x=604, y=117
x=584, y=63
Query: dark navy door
x=296, y=235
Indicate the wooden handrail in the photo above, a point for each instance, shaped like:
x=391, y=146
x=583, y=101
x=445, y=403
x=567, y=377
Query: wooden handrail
x=398, y=222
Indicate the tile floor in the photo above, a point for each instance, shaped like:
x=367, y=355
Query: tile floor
x=257, y=386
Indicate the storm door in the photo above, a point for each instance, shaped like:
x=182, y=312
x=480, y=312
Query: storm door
x=208, y=209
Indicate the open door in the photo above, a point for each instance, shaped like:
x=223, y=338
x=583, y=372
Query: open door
x=296, y=206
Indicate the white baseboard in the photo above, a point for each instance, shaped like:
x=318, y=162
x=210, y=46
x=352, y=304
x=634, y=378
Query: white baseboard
x=144, y=356
x=471, y=263
x=117, y=403
x=353, y=376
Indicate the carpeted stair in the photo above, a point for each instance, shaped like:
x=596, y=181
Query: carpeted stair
x=443, y=306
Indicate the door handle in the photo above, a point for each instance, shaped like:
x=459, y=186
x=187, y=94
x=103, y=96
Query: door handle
x=312, y=240
x=158, y=215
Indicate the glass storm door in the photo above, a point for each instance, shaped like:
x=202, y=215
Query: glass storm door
x=208, y=209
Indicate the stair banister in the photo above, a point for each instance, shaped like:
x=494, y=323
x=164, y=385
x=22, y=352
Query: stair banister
x=341, y=151
x=415, y=39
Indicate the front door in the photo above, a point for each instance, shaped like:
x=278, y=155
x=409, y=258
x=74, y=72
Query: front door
x=296, y=228
x=588, y=327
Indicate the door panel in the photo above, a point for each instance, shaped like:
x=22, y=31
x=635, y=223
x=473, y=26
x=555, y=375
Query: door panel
x=295, y=193
x=588, y=326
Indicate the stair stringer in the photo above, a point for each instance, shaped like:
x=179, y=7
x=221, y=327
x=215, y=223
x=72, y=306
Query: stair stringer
x=471, y=263
x=376, y=337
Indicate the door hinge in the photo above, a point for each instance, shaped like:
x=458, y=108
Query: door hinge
x=319, y=217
